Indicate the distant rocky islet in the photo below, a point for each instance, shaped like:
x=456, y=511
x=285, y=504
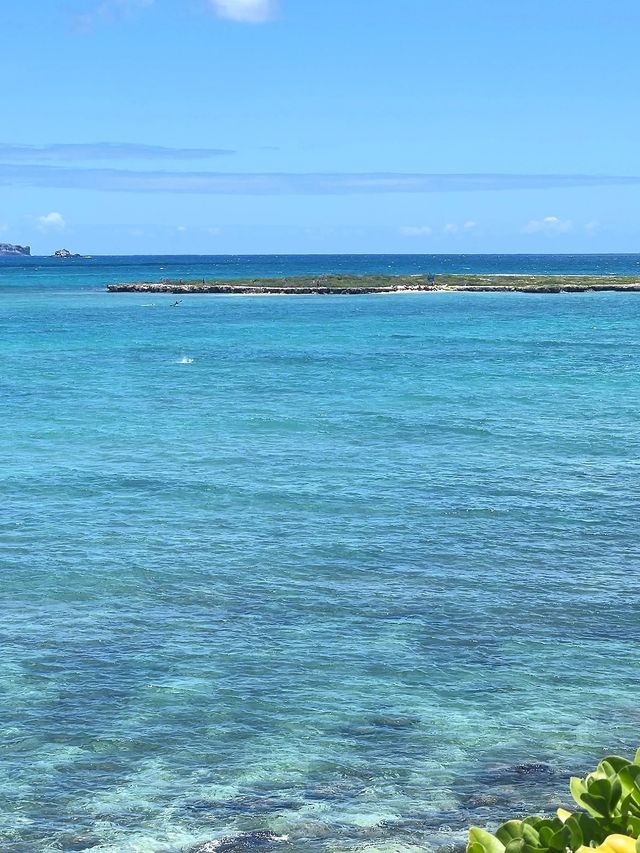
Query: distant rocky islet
x=14, y=249
x=65, y=253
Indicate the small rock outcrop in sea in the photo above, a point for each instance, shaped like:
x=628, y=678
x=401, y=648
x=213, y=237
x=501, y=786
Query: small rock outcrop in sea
x=11, y=249
x=76, y=842
x=394, y=721
x=65, y=253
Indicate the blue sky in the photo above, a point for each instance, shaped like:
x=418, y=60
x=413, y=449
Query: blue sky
x=212, y=126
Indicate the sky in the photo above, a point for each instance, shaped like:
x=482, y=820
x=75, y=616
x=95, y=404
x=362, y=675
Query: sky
x=306, y=126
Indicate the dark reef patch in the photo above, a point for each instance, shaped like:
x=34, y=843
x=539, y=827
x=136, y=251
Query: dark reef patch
x=246, y=841
x=243, y=804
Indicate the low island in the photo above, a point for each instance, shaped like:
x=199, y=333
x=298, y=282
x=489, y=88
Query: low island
x=13, y=249
x=345, y=283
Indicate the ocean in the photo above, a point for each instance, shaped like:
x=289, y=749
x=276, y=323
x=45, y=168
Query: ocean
x=311, y=574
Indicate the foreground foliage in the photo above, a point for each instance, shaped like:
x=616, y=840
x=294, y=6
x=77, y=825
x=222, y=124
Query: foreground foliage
x=609, y=820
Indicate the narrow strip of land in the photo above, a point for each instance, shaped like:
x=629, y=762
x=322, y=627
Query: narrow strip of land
x=356, y=284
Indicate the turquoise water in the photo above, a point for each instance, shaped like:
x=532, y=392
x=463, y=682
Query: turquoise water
x=357, y=571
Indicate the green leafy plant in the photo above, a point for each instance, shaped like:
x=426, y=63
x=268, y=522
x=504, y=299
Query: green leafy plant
x=609, y=821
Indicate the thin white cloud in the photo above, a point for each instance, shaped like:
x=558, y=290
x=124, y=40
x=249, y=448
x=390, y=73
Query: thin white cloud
x=416, y=231
x=591, y=227
x=244, y=11
x=296, y=183
x=78, y=152
x=469, y=225
x=548, y=225
x=108, y=10
x=52, y=220
x=450, y=228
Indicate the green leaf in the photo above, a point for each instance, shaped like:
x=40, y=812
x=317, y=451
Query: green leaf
x=633, y=827
x=509, y=831
x=530, y=835
x=616, y=794
x=488, y=842
x=546, y=833
x=613, y=764
x=630, y=806
x=597, y=806
x=629, y=778
x=578, y=789
x=516, y=845
x=573, y=833
x=537, y=822
x=601, y=798
x=558, y=841
x=601, y=788
x=517, y=830
x=593, y=831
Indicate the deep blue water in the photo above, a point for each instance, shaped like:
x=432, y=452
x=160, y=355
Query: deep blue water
x=358, y=571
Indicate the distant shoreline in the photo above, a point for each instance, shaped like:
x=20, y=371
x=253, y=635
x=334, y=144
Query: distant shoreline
x=345, y=284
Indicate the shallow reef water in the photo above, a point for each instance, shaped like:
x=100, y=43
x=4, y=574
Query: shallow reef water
x=310, y=574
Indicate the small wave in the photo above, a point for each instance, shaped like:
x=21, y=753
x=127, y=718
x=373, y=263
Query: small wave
x=185, y=360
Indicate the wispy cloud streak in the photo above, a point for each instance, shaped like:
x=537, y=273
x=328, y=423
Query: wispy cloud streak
x=289, y=183
x=108, y=10
x=245, y=11
x=90, y=151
